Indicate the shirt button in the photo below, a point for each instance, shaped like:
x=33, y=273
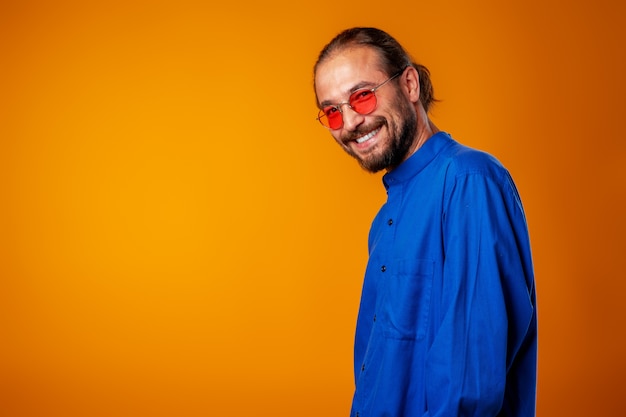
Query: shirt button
x=362, y=367
x=383, y=268
x=390, y=222
x=374, y=317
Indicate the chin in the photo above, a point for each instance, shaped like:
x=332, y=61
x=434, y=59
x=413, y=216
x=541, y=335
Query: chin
x=374, y=164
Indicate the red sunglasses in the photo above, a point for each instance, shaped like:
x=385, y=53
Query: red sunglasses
x=362, y=101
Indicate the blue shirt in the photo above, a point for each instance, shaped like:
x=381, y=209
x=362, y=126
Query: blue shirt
x=447, y=324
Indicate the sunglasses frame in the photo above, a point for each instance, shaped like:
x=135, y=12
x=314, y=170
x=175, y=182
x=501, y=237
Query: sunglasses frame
x=339, y=106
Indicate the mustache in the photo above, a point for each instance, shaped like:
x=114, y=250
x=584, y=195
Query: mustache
x=378, y=122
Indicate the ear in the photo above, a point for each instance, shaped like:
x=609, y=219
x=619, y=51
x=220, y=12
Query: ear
x=411, y=83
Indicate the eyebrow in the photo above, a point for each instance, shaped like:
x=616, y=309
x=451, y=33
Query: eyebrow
x=359, y=86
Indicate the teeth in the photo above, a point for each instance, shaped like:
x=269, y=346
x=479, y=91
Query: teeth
x=368, y=136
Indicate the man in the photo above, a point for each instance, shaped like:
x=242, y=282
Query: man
x=447, y=324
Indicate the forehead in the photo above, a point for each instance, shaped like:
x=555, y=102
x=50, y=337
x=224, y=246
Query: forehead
x=347, y=70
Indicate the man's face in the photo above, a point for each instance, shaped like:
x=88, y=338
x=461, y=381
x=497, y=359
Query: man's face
x=381, y=139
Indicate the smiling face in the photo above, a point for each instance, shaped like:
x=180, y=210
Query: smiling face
x=383, y=138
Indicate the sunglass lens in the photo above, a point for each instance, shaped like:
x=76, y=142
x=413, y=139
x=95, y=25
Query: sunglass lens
x=331, y=117
x=363, y=101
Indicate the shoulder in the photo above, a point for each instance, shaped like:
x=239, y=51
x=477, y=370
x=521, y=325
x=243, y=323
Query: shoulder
x=474, y=170
x=463, y=160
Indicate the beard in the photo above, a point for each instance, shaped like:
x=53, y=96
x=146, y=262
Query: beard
x=400, y=141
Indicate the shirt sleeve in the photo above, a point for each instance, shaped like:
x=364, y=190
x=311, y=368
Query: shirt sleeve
x=487, y=297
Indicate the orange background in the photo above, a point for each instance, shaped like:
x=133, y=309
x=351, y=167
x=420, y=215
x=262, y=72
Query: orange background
x=178, y=235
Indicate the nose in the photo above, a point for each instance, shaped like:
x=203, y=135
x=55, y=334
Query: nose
x=351, y=119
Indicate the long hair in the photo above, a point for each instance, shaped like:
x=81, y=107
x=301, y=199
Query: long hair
x=393, y=56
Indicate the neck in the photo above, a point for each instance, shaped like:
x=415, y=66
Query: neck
x=425, y=129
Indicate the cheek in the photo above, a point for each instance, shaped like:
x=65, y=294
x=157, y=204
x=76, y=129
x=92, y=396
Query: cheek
x=401, y=113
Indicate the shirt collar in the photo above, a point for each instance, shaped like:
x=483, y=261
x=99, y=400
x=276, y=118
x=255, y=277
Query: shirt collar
x=418, y=161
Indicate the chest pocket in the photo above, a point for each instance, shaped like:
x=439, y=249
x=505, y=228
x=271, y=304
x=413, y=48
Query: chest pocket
x=406, y=299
